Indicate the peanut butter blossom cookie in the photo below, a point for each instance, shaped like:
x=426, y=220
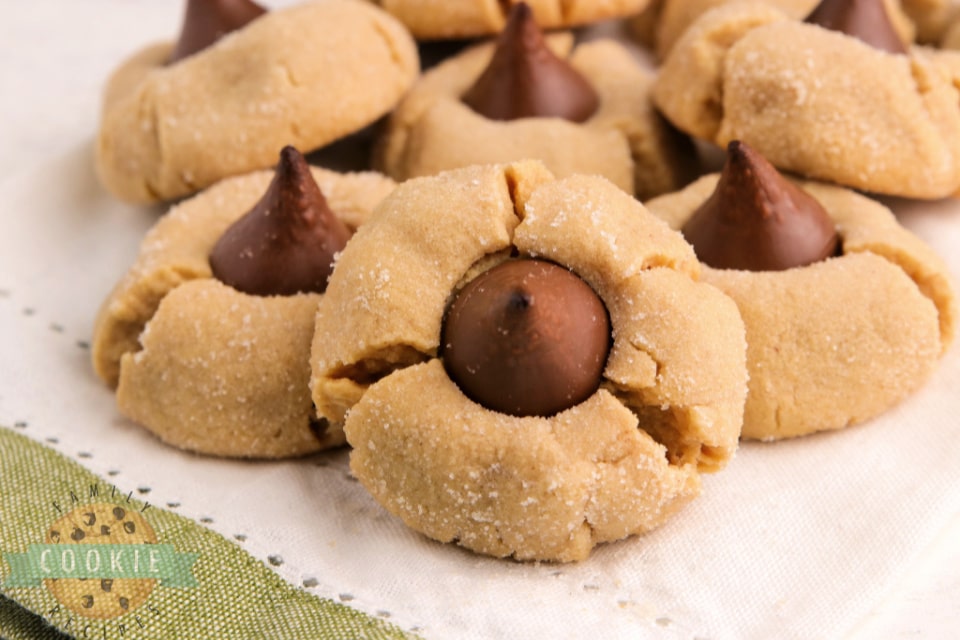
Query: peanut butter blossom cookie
x=933, y=18
x=583, y=109
x=527, y=366
x=241, y=83
x=838, y=98
x=846, y=312
x=951, y=39
x=663, y=22
x=442, y=19
x=207, y=337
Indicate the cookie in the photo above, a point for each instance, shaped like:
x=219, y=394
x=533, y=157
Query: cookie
x=950, y=38
x=661, y=27
x=202, y=364
x=932, y=18
x=100, y=524
x=840, y=337
x=305, y=76
x=604, y=460
x=623, y=139
x=825, y=112
x=431, y=20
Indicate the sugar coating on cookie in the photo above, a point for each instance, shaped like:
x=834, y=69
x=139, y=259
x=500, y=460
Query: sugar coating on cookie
x=445, y=19
x=671, y=18
x=198, y=363
x=668, y=406
x=625, y=140
x=815, y=102
x=305, y=76
x=948, y=57
x=841, y=340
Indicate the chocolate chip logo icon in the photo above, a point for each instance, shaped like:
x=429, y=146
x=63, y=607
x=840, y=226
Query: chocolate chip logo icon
x=105, y=539
x=101, y=561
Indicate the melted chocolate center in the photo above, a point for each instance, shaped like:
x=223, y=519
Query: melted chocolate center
x=526, y=338
x=525, y=79
x=757, y=220
x=286, y=244
x=206, y=21
x=866, y=20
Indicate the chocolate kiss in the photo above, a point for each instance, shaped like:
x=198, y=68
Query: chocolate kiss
x=757, y=220
x=287, y=242
x=206, y=21
x=863, y=19
x=526, y=338
x=525, y=79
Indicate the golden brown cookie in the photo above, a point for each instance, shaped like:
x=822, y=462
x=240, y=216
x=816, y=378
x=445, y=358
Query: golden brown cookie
x=931, y=17
x=662, y=28
x=202, y=365
x=841, y=340
x=815, y=102
x=950, y=36
x=667, y=407
x=304, y=76
x=444, y=19
x=951, y=39
x=625, y=140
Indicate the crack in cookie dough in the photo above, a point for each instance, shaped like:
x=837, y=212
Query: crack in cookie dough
x=378, y=364
x=550, y=488
x=399, y=55
x=291, y=79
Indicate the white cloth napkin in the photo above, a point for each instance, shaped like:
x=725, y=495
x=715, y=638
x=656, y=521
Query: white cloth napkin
x=797, y=539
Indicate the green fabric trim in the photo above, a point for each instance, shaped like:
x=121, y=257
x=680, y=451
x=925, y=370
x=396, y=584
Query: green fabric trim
x=16, y=623
x=236, y=595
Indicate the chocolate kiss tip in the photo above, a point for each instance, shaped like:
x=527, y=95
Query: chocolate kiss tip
x=520, y=13
x=757, y=220
x=866, y=20
x=287, y=242
x=206, y=21
x=525, y=79
x=294, y=170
